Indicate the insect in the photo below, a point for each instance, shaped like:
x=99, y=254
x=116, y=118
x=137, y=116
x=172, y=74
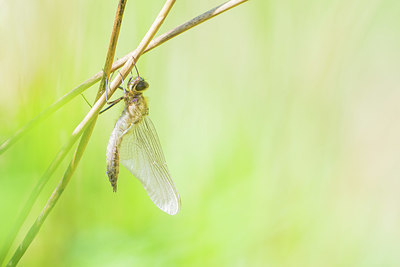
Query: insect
x=134, y=143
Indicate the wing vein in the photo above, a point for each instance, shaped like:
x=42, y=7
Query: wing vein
x=142, y=155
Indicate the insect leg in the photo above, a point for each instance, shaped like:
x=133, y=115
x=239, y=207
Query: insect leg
x=107, y=86
x=134, y=64
x=112, y=103
x=107, y=89
x=105, y=78
x=122, y=82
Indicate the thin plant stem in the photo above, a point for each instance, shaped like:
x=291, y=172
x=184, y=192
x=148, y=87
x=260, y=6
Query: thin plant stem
x=81, y=147
x=116, y=65
x=78, y=90
x=35, y=193
x=53, y=199
x=85, y=139
x=127, y=66
x=193, y=22
x=49, y=111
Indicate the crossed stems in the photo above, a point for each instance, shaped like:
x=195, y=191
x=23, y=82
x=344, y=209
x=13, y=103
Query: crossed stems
x=116, y=101
x=87, y=125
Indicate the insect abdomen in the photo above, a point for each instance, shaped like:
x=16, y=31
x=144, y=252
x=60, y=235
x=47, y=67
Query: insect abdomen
x=120, y=129
x=113, y=168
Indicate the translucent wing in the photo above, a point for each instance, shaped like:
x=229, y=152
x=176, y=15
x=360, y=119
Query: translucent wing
x=141, y=154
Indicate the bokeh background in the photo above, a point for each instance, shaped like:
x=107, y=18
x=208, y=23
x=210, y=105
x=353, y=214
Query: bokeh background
x=279, y=121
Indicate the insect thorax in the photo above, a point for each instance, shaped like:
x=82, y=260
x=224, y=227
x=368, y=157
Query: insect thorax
x=136, y=106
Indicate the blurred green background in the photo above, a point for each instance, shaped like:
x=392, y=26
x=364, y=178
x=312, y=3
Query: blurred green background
x=278, y=120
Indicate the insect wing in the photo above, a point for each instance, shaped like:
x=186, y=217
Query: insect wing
x=141, y=154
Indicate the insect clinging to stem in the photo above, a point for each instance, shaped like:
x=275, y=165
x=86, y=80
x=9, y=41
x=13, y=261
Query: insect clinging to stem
x=134, y=142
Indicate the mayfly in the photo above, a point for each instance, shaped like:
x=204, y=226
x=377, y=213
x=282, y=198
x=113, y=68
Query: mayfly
x=134, y=143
